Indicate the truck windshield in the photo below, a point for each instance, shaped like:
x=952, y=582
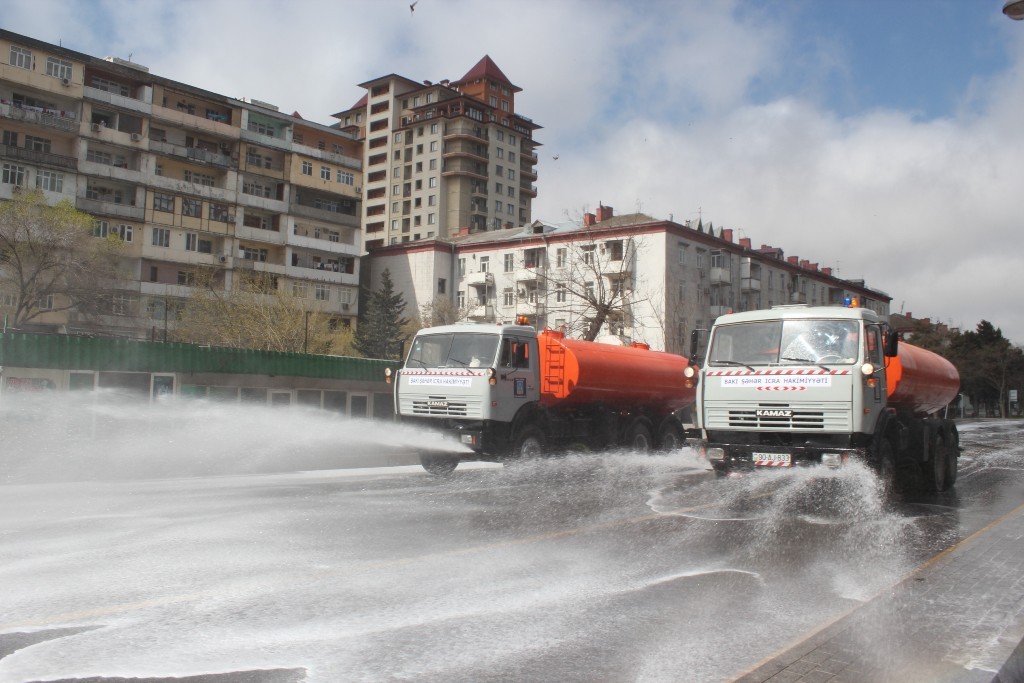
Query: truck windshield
x=453, y=351
x=786, y=342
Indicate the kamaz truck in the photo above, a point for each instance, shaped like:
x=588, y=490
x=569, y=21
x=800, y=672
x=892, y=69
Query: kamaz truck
x=796, y=385
x=505, y=392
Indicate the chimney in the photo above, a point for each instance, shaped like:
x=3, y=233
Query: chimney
x=745, y=242
x=910, y=315
x=793, y=260
x=813, y=266
x=604, y=212
x=827, y=271
x=589, y=219
x=805, y=264
x=727, y=234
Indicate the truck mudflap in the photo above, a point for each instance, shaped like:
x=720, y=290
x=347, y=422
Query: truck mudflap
x=735, y=458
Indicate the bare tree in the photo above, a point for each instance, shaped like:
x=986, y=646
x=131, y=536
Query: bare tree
x=592, y=284
x=51, y=259
x=256, y=314
x=441, y=311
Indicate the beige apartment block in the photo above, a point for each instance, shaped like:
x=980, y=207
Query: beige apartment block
x=185, y=178
x=442, y=157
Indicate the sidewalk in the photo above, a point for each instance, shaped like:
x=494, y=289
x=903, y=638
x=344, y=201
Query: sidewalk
x=916, y=632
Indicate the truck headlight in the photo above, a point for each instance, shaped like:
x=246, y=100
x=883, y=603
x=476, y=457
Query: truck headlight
x=715, y=453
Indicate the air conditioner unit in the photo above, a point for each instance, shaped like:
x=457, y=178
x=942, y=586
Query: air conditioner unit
x=359, y=190
x=95, y=126
x=65, y=81
x=136, y=137
x=344, y=307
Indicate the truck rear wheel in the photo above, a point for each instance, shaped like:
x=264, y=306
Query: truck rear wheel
x=887, y=473
x=670, y=436
x=935, y=470
x=638, y=437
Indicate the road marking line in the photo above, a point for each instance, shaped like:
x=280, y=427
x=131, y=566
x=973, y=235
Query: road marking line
x=906, y=577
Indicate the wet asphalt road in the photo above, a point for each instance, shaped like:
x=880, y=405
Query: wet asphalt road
x=616, y=567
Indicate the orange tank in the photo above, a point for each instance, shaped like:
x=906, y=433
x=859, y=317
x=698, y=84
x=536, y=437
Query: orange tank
x=921, y=381
x=575, y=372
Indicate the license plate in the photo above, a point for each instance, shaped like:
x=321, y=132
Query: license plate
x=772, y=460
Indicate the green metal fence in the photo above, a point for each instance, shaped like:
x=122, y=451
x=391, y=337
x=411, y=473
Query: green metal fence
x=66, y=352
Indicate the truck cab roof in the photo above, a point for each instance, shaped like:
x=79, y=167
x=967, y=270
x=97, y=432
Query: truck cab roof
x=480, y=328
x=801, y=312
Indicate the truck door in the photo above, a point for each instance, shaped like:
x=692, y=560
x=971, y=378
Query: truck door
x=874, y=397
x=518, y=376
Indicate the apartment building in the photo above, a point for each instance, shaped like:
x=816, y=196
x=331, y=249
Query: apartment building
x=440, y=157
x=187, y=179
x=643, y=279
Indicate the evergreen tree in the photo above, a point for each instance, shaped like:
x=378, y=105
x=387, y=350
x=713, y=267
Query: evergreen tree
x=380, y=334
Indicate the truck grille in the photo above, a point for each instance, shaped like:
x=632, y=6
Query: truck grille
x=825, y=417
x=440, y=406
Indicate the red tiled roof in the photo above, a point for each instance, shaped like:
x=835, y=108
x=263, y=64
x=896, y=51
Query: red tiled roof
x=486, y=68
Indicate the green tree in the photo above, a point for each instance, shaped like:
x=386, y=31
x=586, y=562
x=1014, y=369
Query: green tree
x=50, y=259
x=381, y=332
x=989, y=365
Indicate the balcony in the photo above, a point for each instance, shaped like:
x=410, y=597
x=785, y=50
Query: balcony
x=750, y=284
x=481, y=312
x=39, y=158
x=480, y=279
x=110, y=208
x=721, y=276
x=58, y=120
x=529, y=274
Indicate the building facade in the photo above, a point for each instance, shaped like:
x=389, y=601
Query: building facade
x=186, y=178
x=641, y=279
x=440, y=157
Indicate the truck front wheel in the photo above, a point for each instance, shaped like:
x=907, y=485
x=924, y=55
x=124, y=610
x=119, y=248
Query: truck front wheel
x=935, y=471
x=529, y=444
x=439, y=464
x=670, y=436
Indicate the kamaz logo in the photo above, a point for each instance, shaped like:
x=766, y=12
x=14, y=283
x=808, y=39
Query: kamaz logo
x=775, y=413
x=437, y=404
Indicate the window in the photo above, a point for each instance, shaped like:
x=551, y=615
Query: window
x=511, y=191
x=264, y=129
x=508, y=296
x=560, y=293
x=460, y=299
x=20, y=57
x=433, y=146
x=485, y=264
x=499, y=188
x=219, y=212
x=432, y=200
x=432, y=182
x=509, y=263
x=58, y=68
x=325, y=173
x=615, y=250
x=442, y=285
x=14, y=175
x=37, y=144
x=300, y=290
x=462, y=266
x=322, y=292
x=433, y=128
x=560, y=256
x=588, y=254
x=191, y=240
x=163, y=202
x=432, y=164
x=307, y=168
x=45, y=302
x=124, y=231
x=100, y=229
x=198, y=178
x=431, y=219
x=256, y=189
x=501, y=153
x=254, y=254
x=186, y=277
x=161, y=237
x=498, y=207
x=50, y=180
x=190, y=207
x=345, y=178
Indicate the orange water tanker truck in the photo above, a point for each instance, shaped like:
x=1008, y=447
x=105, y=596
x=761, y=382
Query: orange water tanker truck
x=797, y=385
x=504, y=392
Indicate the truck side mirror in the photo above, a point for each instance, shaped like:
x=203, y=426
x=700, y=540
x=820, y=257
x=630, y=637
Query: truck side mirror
x=697, y=343
x=892, y=341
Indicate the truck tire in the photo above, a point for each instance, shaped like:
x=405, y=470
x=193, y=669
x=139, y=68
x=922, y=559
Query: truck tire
x=952, y=455
x=933, y=472
x=888, y=475
x=438, y=464
x=638, y=437
x=670, y=436
x=529, y=444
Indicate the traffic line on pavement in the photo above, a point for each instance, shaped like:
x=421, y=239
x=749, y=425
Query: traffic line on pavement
x=906, y=577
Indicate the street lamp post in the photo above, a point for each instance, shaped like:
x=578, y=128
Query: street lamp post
x=1014, y=9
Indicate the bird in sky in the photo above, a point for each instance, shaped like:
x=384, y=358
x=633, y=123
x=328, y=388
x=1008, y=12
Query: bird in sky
x=555, y=157
x=412, y=7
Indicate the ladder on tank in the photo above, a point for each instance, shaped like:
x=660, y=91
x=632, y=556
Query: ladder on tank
x=553, y=381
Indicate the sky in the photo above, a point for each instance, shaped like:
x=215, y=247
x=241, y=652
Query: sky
x=880, y=138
